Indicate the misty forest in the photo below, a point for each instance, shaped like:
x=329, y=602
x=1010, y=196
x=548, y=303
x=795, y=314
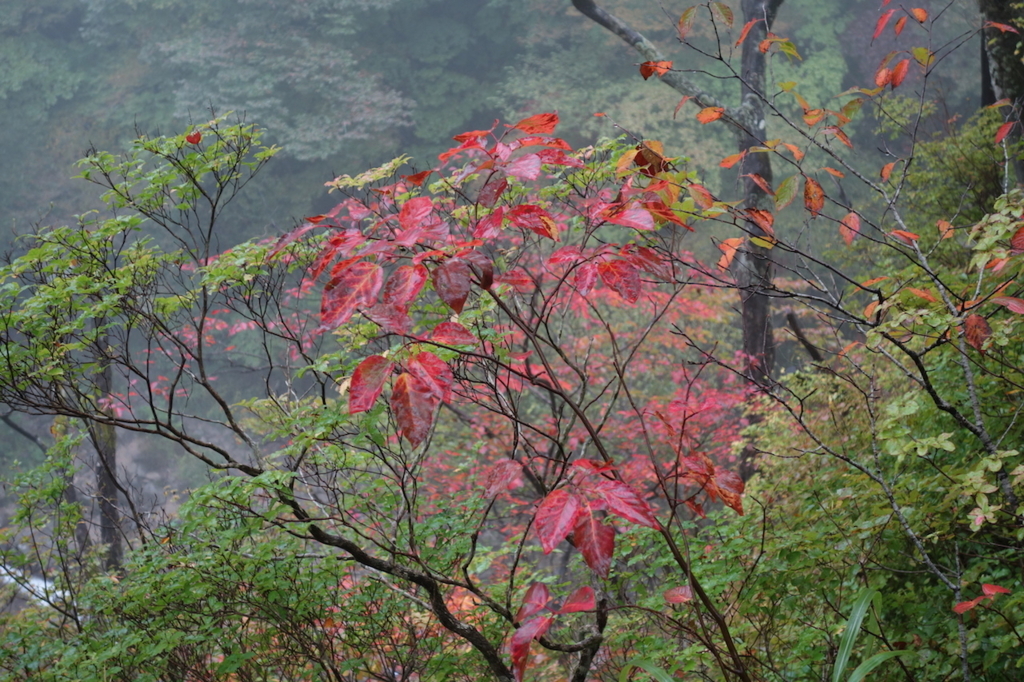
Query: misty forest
x=513, y=340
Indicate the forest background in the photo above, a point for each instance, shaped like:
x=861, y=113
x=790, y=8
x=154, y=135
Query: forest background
x=879, y=560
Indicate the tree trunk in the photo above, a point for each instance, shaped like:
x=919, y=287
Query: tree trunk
x=752, y=266
x=104, y=439
x=1005, y=68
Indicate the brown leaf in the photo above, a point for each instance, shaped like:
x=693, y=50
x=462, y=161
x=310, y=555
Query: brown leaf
x=814, y=196
x=976, y=331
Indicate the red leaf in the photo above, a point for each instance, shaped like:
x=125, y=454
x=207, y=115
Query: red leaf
x=899, y=72
x=534, y=601
x=520, y=646
x=471, y=135
x=1017, y=241
x=489, y=226
x=536, y=219
x=814, y=196
x=622, y=277
x=518, y=279
x=900, y=23
x=1003, y=28
x=290, y=238
x=624, y=502
x=709, y=114
x=648, y=69
x=1014, y=305
x=662, y=213
x=849, y=228
x=565, y=254
x=882, y=76
x=907, y=238
x=594, y=540
x=434, y=373
x=452, y=334
x=586, y=277
x=413, y=407
x=417, y=179
x=679, y=595
x=990, y=590
x=882, y=21
x=356, y=285
x=525, y=167
x=922, y=294
x=451, y=281
x=976, y=331
x=581, y=600
x=194, y=138
x=404, y=284
x=541, y=124
x=415, y=212
x=1004, y=130
x=730, y=488
x=966, y=606
x=746, y=30
x=556, y=517
x=492, y=191
x=637, y=218
x=393, y=319
x=502, y=476
x=368, y=382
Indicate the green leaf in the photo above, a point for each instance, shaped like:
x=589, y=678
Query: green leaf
x=860, y=607
x=786, y=192
x=653, y=670
x=867, y=666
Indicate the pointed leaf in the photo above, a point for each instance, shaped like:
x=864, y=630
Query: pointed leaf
x=353, y=287
x=786, y=192
x=368, y=383
x=434, y=373
x=489, y=226
x=1014, y=305
x=393, y=319
x=404, y=284
x=525, y=167
x=730, y=488
x=686, y=22
x=976, y=331
x=907, y=238
x=1003, y=28
x=899, y=72
x=701, y=196
x=762, y=183
x=814, y=196
x=586, y=278
x=882, y=21
x=582, y=599
x=622, y=277
x=501, y=476
x=678, y=595
x=535, y=219
x=566, y=254
x=594, y=540
x=886, y=171
x=556, y=517
x=732, y=160
x=415, y=212
x=763, y=219
x=724, y=11
x=452, y=334
x=965, y=606
x=624, y=502
x=900, y=23
x=534, y=601
x=746, y=30
x=728, y=247
x=451, y=282
x=991, y=590
x=541, y=124
x=709, y=114
x=637, y=218
x=496, y=186
x=413, y=407
x=1004, y=130
x=519, y=648
x=849, y=228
